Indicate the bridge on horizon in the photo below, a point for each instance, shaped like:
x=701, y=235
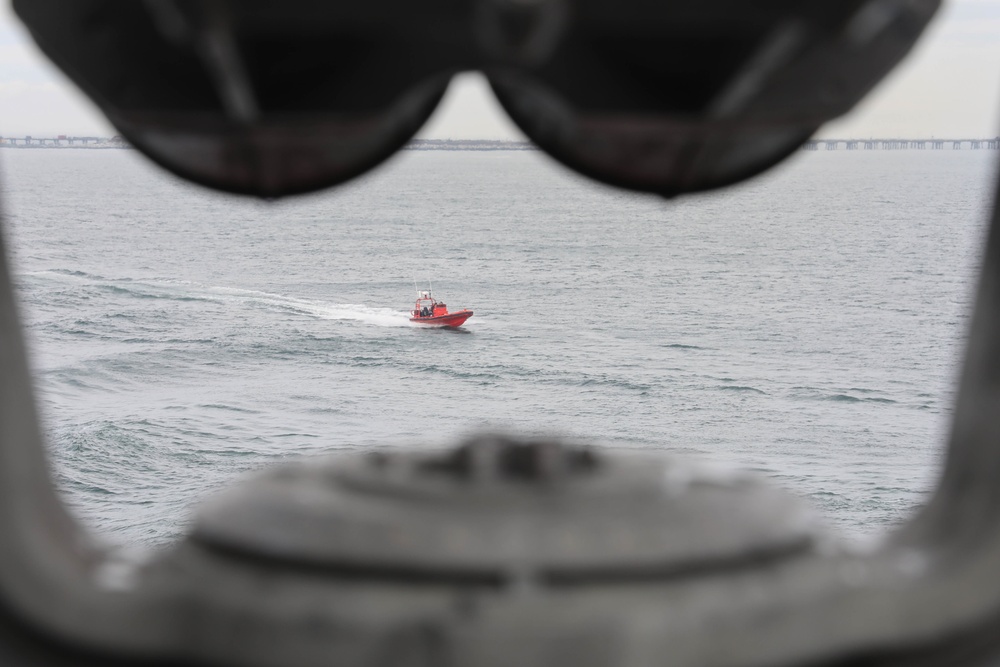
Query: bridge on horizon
x=888, y=144
x=897, y=144
x=62, y=141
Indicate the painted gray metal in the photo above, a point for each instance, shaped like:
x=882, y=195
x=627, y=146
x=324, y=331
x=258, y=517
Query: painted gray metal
x=276, y=98
x=501, y=512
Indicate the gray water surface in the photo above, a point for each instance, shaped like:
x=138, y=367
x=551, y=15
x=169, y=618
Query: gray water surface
x=806, y=325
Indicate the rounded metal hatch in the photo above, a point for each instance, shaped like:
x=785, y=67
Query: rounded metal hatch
x=496, y=510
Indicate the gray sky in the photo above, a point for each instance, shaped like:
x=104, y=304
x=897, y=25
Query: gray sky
x=949, y=86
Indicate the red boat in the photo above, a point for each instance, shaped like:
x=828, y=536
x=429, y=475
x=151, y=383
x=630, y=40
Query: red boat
x=429, y=312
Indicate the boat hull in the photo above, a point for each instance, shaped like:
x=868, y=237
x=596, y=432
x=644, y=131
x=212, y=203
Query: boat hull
x=455, y=319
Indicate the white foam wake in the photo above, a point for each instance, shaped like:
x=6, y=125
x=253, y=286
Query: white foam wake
x=355, y=312
x=171, y=288
x=382, y=317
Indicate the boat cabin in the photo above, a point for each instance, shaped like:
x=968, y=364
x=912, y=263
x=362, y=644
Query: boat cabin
x=426, y=306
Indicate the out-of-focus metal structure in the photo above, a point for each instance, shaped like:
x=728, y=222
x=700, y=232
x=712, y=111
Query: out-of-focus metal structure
x=500, y=551
x=272, y=98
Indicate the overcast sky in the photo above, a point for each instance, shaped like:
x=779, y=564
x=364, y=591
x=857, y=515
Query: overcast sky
x=949, y=86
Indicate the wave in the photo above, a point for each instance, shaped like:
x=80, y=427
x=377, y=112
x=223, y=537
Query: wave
x=847, y=398
x=681, y=346
x=737, y=387
x=482, y=377
x=843, y=396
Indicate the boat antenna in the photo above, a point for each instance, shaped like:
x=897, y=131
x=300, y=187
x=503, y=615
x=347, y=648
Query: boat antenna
x=430, y=286
x=415, y=286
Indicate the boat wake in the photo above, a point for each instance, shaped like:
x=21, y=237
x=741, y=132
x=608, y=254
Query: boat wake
x=352, y=312
x=355, y=312
x=187, y=291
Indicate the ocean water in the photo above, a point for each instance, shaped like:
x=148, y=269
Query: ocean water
x=806, y=325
